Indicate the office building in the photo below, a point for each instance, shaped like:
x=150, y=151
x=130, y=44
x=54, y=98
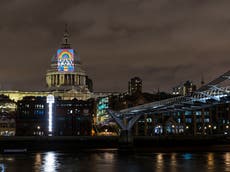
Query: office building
x=135, y=85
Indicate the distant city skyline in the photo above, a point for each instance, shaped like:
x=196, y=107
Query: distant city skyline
x=163, y=42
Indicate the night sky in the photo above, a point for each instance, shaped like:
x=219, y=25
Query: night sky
x=164, y=42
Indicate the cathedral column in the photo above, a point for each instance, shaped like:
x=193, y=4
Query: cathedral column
x=52, y=80
x=73, y=79
x=55, y=79
x=68, y=79
x=84, y=80
x=65, y=79
x=58, y=79
x=76, y=80
x=80, y=79
x=61, y=79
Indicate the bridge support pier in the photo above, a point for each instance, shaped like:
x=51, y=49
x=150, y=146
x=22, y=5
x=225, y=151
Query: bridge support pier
x=126, y=137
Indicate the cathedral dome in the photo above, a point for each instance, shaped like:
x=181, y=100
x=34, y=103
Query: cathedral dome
x=65, y=71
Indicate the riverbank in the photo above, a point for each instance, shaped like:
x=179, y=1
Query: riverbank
x=154, y=143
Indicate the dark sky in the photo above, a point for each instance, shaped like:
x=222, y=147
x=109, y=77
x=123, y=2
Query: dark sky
x=164, y=42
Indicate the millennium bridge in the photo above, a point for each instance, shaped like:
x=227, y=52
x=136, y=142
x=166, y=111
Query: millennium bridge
x=204, y=112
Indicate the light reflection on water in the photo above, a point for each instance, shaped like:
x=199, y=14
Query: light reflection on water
x=160, y=162
x=227, y=161
x=114, y=161
x=49, y=162
x=210, y=161
x=173, y=163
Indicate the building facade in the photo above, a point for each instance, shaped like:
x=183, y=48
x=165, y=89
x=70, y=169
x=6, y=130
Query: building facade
x=32, y=117
x=206, y=121
x=7, y=116
x=69, y=117
x=184, y=89
x=74, y=117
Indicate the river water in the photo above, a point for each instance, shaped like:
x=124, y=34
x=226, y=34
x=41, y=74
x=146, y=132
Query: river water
x=113, y=161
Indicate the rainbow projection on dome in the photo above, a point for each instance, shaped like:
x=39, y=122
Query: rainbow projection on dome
x=65, y=60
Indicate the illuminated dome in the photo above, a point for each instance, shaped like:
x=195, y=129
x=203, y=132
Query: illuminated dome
x=65, y=72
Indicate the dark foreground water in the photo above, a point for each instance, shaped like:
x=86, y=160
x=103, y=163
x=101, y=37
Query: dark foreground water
x=113, y=161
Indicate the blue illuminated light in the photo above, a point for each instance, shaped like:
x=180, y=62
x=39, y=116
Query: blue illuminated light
x=2, y=167
x=187, y=156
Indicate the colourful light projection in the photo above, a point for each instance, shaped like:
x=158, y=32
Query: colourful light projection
x=65, y=60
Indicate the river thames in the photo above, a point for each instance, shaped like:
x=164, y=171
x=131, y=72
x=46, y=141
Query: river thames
x=113, y=161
